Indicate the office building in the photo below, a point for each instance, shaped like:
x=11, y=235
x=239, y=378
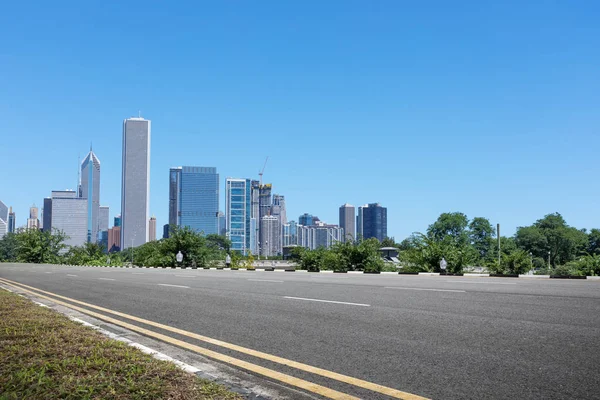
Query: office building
x=69, y=215
x=237, y=212
x=90, y=190
x=255, y=211
x=117, y=221
x=290, y=234
x=307, y=219
x=270, y=236
x=33, y=221
x=278, y=208
x=152, y=229
x=165, y=231
x=264, y=201
x=12, y=221
x=371, y=222
x=3, y=219
x=114, y=239
x=135, y=182
x=347, y=221
x=47, y=215
x=194, y=198
x=103, y=218
x=222, y=223
x=322, y=235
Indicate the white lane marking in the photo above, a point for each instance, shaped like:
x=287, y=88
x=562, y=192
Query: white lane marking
x=106, y=279
x=264, y=280
x=187, y=276
x=484, y=282
x=71, y=275
x=431, y=290
x=327, y=301
x=166, y=284
x=137, y=273
x=47, y=272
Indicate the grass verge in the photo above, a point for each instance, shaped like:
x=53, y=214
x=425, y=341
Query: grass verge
x=45, y=355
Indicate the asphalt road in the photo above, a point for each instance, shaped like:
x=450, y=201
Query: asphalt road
x=438, y=337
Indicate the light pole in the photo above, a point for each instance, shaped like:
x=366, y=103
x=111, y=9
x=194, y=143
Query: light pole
x=548, y=260
x=258, y=250
x=132, y=252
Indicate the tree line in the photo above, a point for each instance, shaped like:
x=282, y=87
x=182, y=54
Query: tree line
x=548, y=246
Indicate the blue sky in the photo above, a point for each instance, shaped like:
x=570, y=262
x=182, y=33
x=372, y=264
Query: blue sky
x=489, y=108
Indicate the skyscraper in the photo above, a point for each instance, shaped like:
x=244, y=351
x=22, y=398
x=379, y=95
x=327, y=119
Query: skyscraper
x=165, y=231
x=278, y=210
x=90, y=190
x=12, y=221
x=114, y=239
x=237, y=212
x=103, y=218
x=47, y=218
x=69, y=215
x=194, y=198
x=255, y=213
x=152, y=229
x=117, y=221
x=33, y=222
x=222, y=223
x=270, y=236
x=347, y=221
x=307, y=219
x=3, y=219
x=372, y=221
x=135, y=182
x=264, y=201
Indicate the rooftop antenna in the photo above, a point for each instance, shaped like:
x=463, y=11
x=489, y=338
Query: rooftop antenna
x=139, y=113
x=263, y=170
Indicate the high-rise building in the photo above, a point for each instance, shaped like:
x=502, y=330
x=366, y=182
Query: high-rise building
x=307, y=219
x=135, y=182
x=270, y=236
x=255, y=213
x=372, y=222
x=103, y=218
x=222, y=223
x=117, y=221
x=90, y=190
x=165, y=231
x=347, y=221
x=3, y=219
x=114, y=239
x=33, y=222
x=152, y=229
x=47, y=215
x=322, y=235
x=69, y=215
x=237, y=211
x=278, y=210
x=264, y=201
x=194, y=198
x=12, y=221
x=290, y=234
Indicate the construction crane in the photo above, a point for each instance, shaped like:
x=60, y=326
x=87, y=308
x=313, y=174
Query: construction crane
x=263, y=170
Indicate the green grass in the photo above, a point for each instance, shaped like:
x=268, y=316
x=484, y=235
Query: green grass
x=44, y=355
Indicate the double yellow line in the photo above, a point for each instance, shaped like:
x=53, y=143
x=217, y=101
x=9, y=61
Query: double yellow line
x=269, y=373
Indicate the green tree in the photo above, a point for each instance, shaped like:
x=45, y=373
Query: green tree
x=389, y=242
x=9, y=245
x=88, y=254
x=451, y=225
x=552, y=234
x=594, y=242
x=481, y=236
x=35, y=246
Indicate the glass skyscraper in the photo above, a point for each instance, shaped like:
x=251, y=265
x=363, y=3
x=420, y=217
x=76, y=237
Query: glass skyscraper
x=194, y=198
x=372, y=221
x=238, y=210
x=135, y=182
x=90, y=190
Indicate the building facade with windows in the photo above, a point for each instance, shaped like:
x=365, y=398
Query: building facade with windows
x=12, y=221
x=237, y=211
x=135, y=182
x=90, y=190
x=70, y=215
x=372, y=221
x=194, y=198
x=348, y=221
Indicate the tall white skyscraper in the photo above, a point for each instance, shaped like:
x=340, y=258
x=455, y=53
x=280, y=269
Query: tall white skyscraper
x=90, y=190
x=135, y=182
x=348, y=221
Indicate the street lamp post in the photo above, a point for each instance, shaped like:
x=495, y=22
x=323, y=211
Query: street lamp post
x=132, y=252
x=548, y=261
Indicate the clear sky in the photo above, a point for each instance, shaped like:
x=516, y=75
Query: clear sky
x=489, y=108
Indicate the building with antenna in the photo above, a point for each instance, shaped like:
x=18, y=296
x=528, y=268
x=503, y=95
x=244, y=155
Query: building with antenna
x=90, y=190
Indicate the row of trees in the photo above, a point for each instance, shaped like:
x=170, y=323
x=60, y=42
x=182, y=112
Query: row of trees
x=549, y=245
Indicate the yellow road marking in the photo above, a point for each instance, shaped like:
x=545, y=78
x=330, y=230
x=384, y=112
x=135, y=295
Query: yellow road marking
x=294, y=364
x=272, y=374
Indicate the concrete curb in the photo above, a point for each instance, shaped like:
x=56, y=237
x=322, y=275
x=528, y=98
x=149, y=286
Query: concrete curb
x=270, y=269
